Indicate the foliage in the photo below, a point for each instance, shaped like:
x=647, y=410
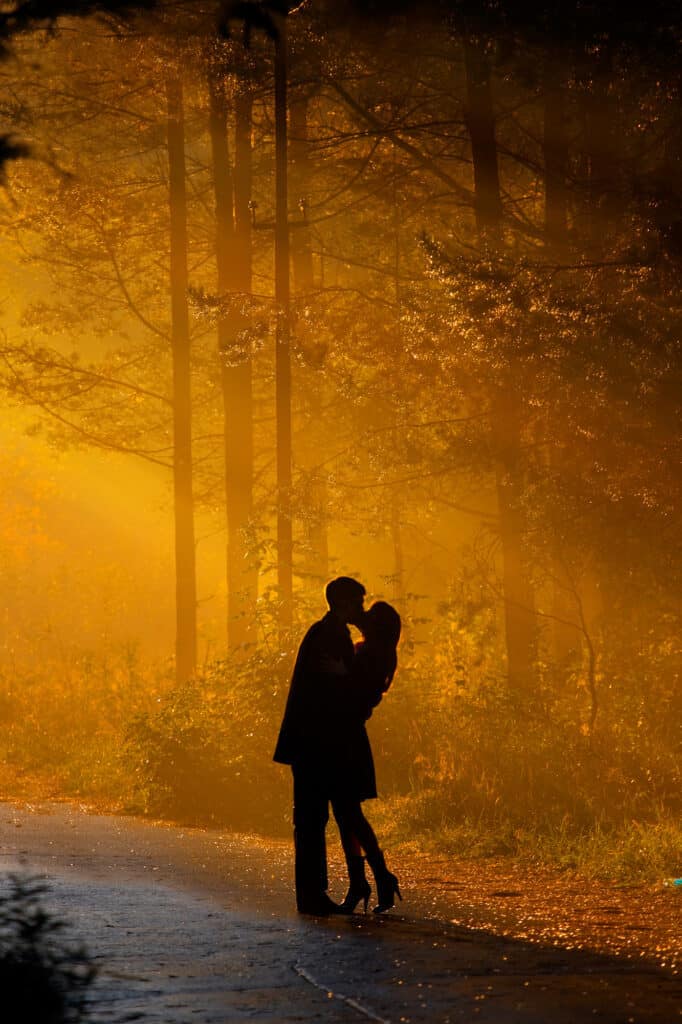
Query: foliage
x=204, y=753
x=43, y=976
x=461, y=761
x=25, y=15
x=540, y=758
x=63, y=723
x=461, y=404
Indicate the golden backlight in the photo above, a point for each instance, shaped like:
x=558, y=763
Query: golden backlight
x=400, y=304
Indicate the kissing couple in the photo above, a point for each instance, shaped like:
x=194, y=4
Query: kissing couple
x=333, y=690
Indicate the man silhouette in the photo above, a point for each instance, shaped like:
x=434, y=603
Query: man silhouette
x=306, y=737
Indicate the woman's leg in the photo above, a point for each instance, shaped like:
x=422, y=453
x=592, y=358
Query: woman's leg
x=356, y=832
x=353, y=823
x=351, y=828
x=351, y=844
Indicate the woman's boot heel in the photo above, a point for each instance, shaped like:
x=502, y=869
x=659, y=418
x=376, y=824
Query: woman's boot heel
x=387, y=884
x=359, y=886
x=387, y=889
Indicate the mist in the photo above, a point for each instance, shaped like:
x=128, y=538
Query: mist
x=410, y=315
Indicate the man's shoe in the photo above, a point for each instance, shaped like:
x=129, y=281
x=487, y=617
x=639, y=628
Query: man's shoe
x=318, y=906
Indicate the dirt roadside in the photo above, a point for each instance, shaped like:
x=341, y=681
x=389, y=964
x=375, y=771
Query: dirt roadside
x=633, y=922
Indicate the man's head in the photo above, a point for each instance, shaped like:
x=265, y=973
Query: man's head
x=345, y=597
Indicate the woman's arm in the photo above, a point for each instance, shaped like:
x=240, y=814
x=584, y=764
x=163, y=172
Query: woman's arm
x=367, y=682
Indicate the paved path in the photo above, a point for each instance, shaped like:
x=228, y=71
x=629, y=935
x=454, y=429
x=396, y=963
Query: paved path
x=197, y=926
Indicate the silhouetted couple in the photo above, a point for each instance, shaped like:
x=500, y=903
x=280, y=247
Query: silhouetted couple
x=323, y=737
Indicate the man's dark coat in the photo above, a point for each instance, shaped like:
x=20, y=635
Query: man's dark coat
x=310, y=733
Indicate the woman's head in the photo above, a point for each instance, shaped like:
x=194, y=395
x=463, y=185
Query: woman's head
x=381, y=628
x=381, y=623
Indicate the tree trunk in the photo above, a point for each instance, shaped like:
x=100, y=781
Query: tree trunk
x=480, y=122
x=566, y=638
x=315, y=550
x=233, y=259
x=396, y=494
x=301, y=249
x=239, y=454
x=601, y=214
x=519, y=600
x=398, y=587
x=282, y=348
x=185, y=555
x=555, y=148
x=599, y=113
x=520, y=625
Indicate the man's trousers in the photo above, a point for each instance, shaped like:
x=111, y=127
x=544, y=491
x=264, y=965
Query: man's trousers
x=311, y=814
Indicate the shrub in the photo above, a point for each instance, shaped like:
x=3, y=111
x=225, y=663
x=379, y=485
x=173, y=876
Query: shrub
x=43, y=979
x=204, y=754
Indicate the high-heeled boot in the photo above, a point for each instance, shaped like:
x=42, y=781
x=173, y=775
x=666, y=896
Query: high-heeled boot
x=359, y=886
x=387, y=883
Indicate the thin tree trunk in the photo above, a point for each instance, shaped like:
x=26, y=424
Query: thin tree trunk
x=398, y=555
x=601, y=211
x=480, y=121
x=185, y=555
x=603, y=202
x=240, y=455
x=315, y=560
x=233, y=259
x=282, y=347
x=301, y=249
x=555, y=148
x=519, y=600
x=566, y=639
x=520, y=625
x=396, y=495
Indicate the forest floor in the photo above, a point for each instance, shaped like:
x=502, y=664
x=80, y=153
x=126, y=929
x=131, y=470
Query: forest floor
x=198, y=925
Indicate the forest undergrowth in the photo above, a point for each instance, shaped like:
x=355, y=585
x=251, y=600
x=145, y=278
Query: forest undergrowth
x=465, y=765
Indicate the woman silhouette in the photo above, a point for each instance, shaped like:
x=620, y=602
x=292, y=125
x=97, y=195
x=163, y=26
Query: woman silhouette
x=353, y=777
